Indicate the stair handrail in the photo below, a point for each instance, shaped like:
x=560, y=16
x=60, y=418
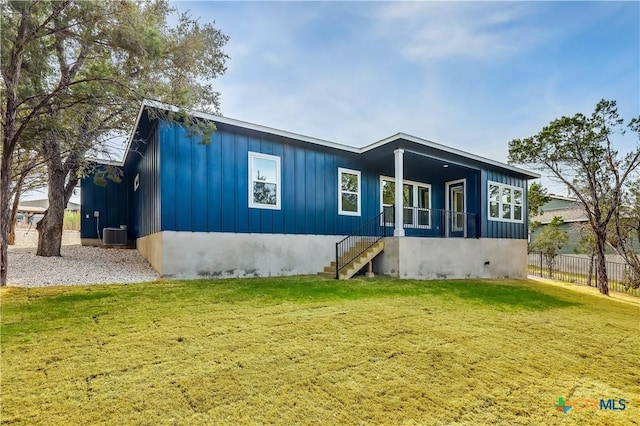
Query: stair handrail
x=360, y=241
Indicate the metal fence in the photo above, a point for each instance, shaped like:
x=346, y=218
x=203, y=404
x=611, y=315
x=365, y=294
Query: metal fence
x=577, y=269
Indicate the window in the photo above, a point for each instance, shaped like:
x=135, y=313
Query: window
x=517, y=204
x=264, y=181
x=416, y=199
x=505, y=202
x=348, y=192
x=457, y=206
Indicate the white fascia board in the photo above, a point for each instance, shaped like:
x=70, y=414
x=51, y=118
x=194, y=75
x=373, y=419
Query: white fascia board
x=133, y=133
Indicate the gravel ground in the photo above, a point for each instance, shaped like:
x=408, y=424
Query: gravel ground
x=78, y=264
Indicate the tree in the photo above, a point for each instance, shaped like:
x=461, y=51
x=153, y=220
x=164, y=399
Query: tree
x=536, y=198
x=75, y=71
x=579, y=152
x=549, y=240
x=586, y=245
x=29, y=174
x=625, y=238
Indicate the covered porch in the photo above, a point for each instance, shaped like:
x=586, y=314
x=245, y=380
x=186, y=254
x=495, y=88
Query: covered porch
x=439, y=191
x=439, y=198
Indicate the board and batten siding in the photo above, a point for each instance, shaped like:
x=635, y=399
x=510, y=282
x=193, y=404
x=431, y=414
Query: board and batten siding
x=121, y=203
x=145, y=212
x=205, y=187
x=111, y=201
x=498, y=229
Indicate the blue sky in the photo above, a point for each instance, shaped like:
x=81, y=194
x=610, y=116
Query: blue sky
x=471, y=75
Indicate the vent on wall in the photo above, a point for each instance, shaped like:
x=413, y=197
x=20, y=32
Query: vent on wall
x=114, y=237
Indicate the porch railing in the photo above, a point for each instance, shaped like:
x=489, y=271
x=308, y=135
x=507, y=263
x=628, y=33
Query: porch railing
x=348, y=249
x=436, y=223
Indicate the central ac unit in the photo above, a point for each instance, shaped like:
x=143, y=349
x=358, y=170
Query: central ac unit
x=114, y=237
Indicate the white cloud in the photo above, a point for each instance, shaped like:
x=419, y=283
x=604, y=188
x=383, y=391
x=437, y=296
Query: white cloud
x=469, y=75
x=428, y=31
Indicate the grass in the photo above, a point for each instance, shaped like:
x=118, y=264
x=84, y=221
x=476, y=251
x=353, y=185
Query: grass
x=304, y=350
x=71, y=221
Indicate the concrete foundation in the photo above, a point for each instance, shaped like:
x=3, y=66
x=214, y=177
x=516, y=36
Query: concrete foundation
x=202, y=254
x=150, y=247
x=91, y=242
x=441, y=258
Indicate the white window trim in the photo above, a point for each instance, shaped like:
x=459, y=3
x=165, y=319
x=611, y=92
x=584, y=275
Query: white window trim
x=502, y=186
x=278, y=182
x=342, y=170
x=415, y=185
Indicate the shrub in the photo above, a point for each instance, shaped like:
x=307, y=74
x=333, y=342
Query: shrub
x=71, y=221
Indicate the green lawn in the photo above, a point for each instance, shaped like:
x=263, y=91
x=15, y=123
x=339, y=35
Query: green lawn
x=305, y=350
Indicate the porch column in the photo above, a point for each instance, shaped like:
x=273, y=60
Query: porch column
x=399, y=226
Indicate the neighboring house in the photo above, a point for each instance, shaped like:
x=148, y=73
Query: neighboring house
x=39, y=206
x=573, y=215
x=576, y=224
x=33, y=210
x=257, y=201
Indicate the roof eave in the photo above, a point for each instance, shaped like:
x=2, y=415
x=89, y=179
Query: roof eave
x=315, y=141
x=434, y=145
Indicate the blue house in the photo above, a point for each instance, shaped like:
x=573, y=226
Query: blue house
x=257, y=201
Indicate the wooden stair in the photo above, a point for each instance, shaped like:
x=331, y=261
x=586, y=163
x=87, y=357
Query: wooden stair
x=356, y=264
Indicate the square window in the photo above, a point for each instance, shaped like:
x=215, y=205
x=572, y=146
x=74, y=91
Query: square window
x=349, y=203
x=517, y=196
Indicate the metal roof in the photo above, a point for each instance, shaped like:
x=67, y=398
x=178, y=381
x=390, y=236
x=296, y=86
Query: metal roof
x=269, y=130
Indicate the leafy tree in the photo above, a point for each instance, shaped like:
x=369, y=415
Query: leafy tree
x=29, y=174
x=536, y=198
x=586, y=245
x=625, y=237
x=75, y=71
x=549, y=240
x=579, y=152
